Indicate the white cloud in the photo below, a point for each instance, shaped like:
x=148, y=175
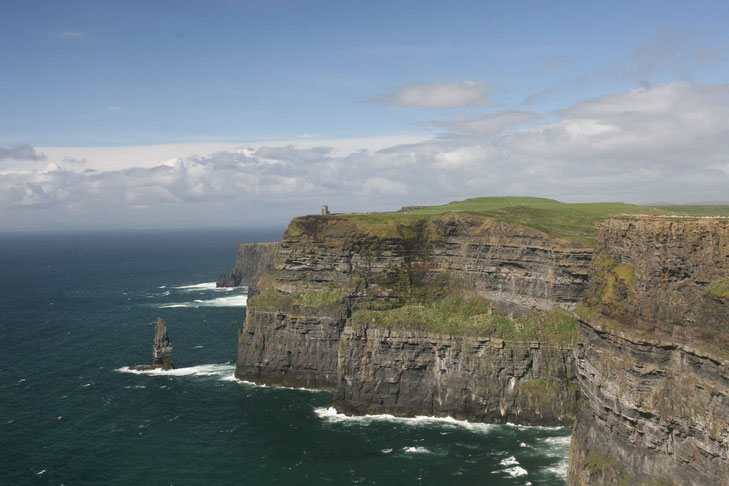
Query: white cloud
x=20, y=152
x=438, y=95
x=489, y=124
x=663, y=143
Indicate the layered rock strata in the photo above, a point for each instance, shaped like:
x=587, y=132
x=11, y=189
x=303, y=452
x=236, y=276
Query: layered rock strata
x=252, y=260
x=653, y=365
x=298, y=331
x=467, y=377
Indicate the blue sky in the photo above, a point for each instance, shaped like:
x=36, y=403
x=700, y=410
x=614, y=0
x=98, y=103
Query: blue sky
x=209, y=77
x=109, y=72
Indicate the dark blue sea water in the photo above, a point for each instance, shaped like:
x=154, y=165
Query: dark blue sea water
x=76, y=310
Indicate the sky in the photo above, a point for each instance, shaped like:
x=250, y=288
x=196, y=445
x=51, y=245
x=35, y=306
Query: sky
x=222, y=113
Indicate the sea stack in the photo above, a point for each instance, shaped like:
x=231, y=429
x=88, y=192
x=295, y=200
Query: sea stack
x=162, y=352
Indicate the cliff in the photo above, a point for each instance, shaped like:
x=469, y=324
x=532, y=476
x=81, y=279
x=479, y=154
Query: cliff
x=252, y=260
x=653, y=364
x=466, y=310
x=467, y=377
x=331, y=272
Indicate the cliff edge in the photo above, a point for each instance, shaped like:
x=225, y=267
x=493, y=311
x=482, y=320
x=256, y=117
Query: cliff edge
x=357, y=307
x=252, y=260
x=653, y=364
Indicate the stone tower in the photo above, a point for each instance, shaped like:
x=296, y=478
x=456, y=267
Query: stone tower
x=325, y=210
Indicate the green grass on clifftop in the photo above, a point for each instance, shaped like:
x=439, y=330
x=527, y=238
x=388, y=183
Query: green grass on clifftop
x=455, y=314
x=554, y=217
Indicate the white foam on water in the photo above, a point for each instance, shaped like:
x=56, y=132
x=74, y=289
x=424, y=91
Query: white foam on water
x=331, y=415
x=386, y=451
x=558, y=441
x=415, y=450
x=516, y=471
x=200, y=286
x=509, y=461
x=512, y=472
x=557, y=447
x=536, y=427
x=40, y=473
x=200, y=370
x=560, y=469
x=239, y=300
x=231, y=377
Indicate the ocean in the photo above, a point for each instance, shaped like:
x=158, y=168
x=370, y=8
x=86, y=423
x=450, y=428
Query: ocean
x=77, y=311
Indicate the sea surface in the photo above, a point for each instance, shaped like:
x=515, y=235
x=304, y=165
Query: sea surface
x=78, y=310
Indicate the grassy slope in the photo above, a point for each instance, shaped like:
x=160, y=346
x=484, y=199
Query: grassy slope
x=548, y=215
x=457, y=315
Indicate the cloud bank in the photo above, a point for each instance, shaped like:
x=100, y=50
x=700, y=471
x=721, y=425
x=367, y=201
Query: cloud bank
x=438, y=95
x=662, y=143
x=20, y=152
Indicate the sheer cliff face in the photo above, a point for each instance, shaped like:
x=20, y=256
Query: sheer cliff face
x=472, y=378
x=290, y=339
x=653, y=364
x=252, y=260
x=515, y=266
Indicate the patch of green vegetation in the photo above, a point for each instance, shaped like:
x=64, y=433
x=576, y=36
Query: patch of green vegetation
x=461, y=315
x=596, y=462
x=272, y=300
x=720, y=289
x=269, y=299
x=319, y=298
x=574, y=221
x=617, y=280
x=542, y=391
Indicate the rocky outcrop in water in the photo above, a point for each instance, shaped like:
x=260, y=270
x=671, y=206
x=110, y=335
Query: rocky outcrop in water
x=162, y=350
x=252, y=260
x=653, y=365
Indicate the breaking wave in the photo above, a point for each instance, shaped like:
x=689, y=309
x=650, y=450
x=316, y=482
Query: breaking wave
x=228, y=301
x=202, y=286
x=330, y=414
x=222, y=370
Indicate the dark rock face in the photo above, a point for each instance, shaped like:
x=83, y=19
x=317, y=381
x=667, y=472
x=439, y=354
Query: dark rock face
x=315, y=346
x=653, y=365
x=472, y=378
x=252, y=261
x=294, y=346
x=162, y=351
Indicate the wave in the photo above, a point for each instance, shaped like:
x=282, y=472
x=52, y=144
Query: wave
x=223, y=369
x=331, y=415
x=228, y=301
x=415, y=450
x=537, y=427
x=232, y=377
x=557, y=447
x=200, y=286
x=509, y=461
x=515, y=472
